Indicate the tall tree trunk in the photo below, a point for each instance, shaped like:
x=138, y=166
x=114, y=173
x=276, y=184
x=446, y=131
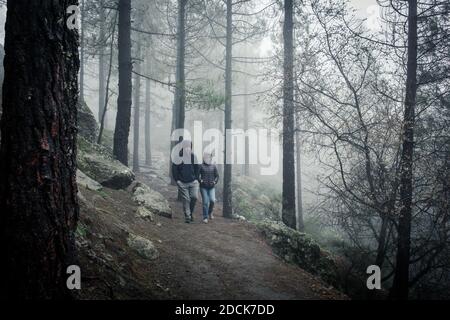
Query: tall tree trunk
x=299, y=218
x=178, y=115
x=381, y=248
x=108, y=81
x=386, y=224
x=180, y=91
x=38, y=191
x=148, y=145
x=227, y=195
x=122, y=129
x=400, y=286
x=220, y=166
x=101, y=63
x=137, y=108
x=247, y=147
x=82, y=48
x=288, y=206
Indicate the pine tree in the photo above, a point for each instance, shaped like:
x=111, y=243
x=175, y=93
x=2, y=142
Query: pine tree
x=38, y=191
x=122, y=129
x=288, y=206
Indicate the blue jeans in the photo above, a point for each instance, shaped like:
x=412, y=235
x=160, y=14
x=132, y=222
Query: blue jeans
x=208, y=199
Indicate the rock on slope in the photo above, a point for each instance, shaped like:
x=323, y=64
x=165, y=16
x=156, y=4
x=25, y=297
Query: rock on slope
x=96, y=160
x=88, y=183
x=113, y=256
x=87, y=125
x=102, y=168
x=296, y=247
x=151, y=200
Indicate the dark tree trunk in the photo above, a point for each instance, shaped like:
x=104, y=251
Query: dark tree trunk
x=227, y=169
x=400, y=286
x=101, y=63
x=38, y=191
x=288, y=206
x=180, y=91
x=381, y=249
x=82, y=45
x=148, y=145
x=108, y=81
x=386, y=224
x=122, y=128
x=247, y=147
x=137, y=109
x=220, y=165
x=300, y=224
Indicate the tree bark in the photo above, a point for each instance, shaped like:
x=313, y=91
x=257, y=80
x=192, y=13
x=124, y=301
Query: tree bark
x=400, y=286
x=180, y=91
x=148, y=145
x=381, y=249
x=247, y=147
x=101, y=63
x=227, y=194
x=82, y=44
x=137, y=108
x=108, y=81
x=300, y=224
x=122, y=129
x=288, y=206
x=38, y=191
x=178, y=115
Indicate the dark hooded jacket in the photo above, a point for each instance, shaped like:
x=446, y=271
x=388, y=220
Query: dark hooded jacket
x=186, y=172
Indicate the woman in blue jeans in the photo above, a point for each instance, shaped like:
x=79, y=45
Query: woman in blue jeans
x=209, y=176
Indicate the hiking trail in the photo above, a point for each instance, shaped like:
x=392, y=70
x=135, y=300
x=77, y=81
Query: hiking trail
x=224, y=259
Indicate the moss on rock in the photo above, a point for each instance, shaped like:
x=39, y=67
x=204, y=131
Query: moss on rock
x=296, y=247
x=87, y=125
x=96, y=162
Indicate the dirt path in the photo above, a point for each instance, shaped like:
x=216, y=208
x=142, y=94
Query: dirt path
x=223, y=259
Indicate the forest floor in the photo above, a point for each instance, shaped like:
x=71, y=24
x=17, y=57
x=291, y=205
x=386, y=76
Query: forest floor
x=224, y=259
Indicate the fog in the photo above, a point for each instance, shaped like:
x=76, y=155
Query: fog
x=326, y=118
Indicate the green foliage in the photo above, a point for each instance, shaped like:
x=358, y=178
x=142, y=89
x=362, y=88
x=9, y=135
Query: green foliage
x=325, y=236
x=255, y=200
x=107, y=140
x=103, y=194
x=81, y=230
x=204, y=96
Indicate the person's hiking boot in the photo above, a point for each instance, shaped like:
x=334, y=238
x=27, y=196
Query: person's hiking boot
x=188, y=219
x=192, y=218
x=205, y=220
x=211, y=217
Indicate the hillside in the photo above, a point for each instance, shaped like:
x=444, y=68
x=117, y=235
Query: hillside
x=127, y=251
x=195, y=261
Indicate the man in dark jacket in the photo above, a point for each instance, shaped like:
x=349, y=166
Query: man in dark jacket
x=186, y=174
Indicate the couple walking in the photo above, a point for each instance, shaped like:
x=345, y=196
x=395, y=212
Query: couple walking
x=190, y=176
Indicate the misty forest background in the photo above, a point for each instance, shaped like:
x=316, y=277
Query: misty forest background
x=360, y=99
